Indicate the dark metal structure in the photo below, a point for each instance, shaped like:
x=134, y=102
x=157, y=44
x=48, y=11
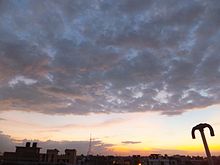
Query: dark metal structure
x=201, y=127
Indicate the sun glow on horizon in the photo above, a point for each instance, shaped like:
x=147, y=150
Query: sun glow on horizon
x=146, y=132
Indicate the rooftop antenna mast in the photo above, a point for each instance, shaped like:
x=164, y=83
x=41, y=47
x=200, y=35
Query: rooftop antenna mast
x=90, y=146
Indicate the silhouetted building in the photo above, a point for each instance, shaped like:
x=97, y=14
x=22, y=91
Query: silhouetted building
x=51, y=156
x=31, y=155
x=1, y=159
x=69, y=157
x=157, y=159
x=23, y=153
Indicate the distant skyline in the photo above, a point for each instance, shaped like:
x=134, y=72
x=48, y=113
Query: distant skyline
x=137, y=75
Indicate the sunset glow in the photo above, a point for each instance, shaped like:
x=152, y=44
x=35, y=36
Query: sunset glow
x=141, y=133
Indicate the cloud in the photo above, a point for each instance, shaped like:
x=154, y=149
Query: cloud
x=130, y=142
x=98, y=147
x=6, y=143
x=105, y=57
x=105, y=123
x=23, y=79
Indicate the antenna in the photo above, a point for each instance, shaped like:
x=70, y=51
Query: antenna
x=90, y=146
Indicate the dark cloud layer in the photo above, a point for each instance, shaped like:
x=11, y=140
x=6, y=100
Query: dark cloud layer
x=62, y=57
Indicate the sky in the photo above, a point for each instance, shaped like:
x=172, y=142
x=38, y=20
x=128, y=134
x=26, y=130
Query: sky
x=136, y=75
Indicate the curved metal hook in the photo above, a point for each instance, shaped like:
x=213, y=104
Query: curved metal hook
x=211, y=130
x=193, y=132
x=201, y=127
